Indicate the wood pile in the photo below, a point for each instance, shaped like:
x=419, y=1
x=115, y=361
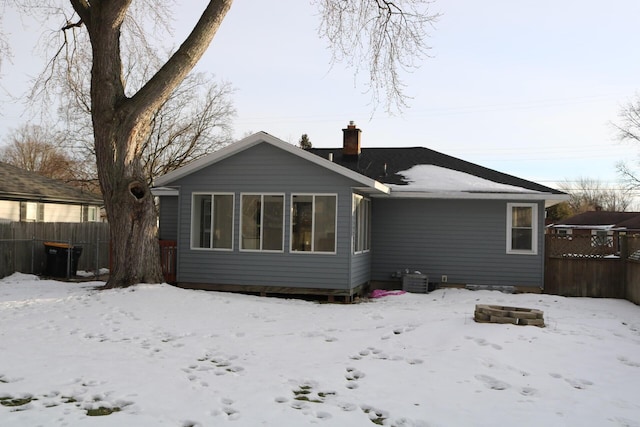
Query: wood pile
x=512, y=315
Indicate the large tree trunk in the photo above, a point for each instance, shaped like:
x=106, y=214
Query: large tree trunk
x=121, y=124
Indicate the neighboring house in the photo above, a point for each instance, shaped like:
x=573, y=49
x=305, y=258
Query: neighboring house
x=603, y=227
x=262, y=215
x=29, y=197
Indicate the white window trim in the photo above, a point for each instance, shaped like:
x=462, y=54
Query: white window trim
x=35, y=208
x=92, y=214
x=313, y=228
x=193, y=213
x=354, y=243
x=262, y=218
x=534, y=228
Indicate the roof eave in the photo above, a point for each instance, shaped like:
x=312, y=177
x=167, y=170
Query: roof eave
x=547, y=197
x=165, y=191
x=47, y=199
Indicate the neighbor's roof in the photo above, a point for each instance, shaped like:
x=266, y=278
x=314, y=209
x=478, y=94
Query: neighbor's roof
x=628, y=220
x=20, y=184
x=631, y=223
x=421, y=170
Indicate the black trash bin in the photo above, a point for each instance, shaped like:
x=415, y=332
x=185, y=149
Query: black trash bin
x=57, y=255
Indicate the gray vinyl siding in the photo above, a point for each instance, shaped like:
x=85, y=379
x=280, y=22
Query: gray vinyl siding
x=267, y=169
x=462, y=239
x=168, y=218
x=361, y=268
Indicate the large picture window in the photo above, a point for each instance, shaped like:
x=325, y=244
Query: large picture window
x=313, y=223
x=212, y=221
x=522, y=228
x=361, y=224
x=262, y=226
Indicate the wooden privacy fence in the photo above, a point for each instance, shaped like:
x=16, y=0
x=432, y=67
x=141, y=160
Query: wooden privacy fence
x=22, y=245
x=168, y=259
x=586, y=267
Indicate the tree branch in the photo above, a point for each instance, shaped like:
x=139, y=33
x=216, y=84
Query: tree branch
x=71, y=25
x=169, y=76
x=83, y=9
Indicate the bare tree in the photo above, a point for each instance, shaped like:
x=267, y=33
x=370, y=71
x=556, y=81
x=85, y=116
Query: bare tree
x=194, y=121
x=588, y=194
x=390, y=34
x=384, y=38
x=628, y=129
x=122, y=123
x=38, y=149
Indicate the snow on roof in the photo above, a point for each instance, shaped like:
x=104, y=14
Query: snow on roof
x=430, y=178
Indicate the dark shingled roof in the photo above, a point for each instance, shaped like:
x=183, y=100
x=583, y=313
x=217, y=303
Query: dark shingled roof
x=631, y=224
x=629, y=219
x=20, y=184
x=371, y=163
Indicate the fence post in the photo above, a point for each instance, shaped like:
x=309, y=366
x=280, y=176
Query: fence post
x=624, y=255
x=69, y=250
x=97, y=269
x=33, y=252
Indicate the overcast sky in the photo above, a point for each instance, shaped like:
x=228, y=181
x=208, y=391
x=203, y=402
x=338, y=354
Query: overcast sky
x=525, y=87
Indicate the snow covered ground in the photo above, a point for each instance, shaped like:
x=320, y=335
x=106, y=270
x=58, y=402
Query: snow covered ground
x=163, y=356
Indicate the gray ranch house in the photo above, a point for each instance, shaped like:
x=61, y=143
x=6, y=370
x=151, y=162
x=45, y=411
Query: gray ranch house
x=262, y=215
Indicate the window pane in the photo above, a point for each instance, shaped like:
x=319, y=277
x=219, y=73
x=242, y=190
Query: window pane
x=272, y=227
x=367, y=225
x=251, y=222
x=223, y=221
x=301, y=223
x=32, y=211
x=522, y=216
x=325, y=224
x=201, y=235
x=362, y=218
x=521, y=238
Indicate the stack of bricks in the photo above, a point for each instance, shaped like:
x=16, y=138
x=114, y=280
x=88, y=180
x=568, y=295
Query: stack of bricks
x=513, y=315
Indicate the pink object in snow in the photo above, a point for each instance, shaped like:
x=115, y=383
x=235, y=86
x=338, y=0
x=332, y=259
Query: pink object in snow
x=378, y=293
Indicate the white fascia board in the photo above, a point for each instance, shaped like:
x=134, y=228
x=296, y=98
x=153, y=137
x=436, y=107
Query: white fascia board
x=378, y=189
x=165, y=191
x=478, y=196
x=258, y=138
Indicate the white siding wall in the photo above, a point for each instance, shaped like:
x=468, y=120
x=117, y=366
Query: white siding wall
x=53, y=212
x=9, y=211
x=62, y=213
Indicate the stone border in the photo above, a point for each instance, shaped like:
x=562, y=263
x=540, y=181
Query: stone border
x=511, y=315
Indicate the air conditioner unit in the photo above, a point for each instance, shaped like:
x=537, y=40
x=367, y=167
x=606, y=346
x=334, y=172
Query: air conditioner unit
x=415, y=283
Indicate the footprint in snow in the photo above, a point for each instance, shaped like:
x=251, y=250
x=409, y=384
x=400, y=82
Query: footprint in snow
x=352, y=376
x=492, y=383
x=376, y=352
x=227, y=411
x=483, y=342
x=628, y=362
x=578, y=383
x=528, y=391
